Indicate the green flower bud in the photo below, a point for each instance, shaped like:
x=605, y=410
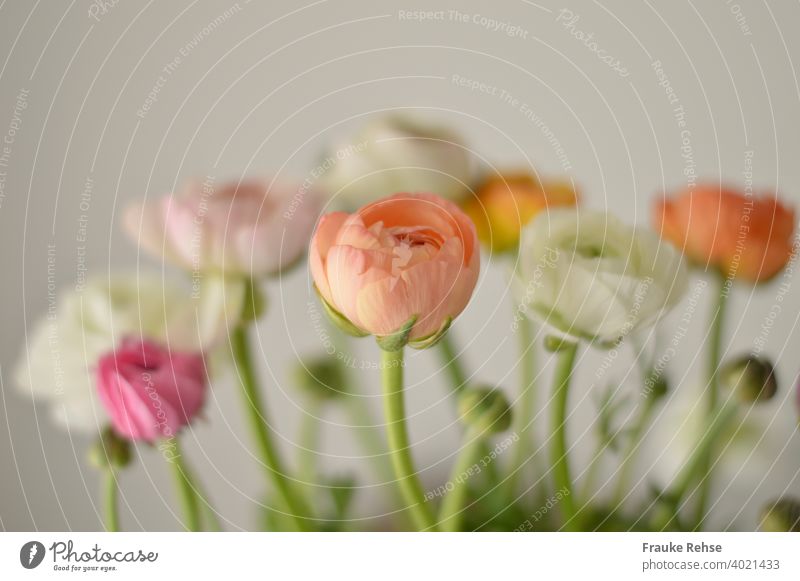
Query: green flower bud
x=751, y=378
x=656, y=385
x=322, y=377
x=110, y=451
x=485, y=409
x=781, y=516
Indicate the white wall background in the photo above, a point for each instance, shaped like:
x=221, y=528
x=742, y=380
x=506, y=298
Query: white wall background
x=270, y=88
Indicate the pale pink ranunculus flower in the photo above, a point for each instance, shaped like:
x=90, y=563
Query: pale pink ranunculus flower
x=250, y=228
x=403, y=256
x=149, y=391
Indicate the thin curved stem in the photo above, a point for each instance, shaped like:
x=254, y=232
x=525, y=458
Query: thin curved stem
x=634, y=444
x=696, y=466
x=258, y=423
x=452, y=508
x=309, y=439
x=399, y=448
x=112, y=501
x=559, y=459
x=453, y=367
x=186, y=491
x=526, y=409
x=714, y=354
x=208, y=512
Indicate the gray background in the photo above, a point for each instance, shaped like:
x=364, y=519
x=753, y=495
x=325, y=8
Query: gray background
x=274, y=84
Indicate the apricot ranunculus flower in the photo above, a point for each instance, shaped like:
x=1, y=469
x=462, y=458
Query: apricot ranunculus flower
x=504, y=203
x=251, y=228
x=591, y=276
x=409, y=259
x=745, y=237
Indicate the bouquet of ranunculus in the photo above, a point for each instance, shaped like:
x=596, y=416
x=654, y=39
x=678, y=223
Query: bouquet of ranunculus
x=135, y=354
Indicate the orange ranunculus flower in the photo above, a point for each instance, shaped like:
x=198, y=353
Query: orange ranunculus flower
x=745, y=237
x=503, y=204
x=409, y=259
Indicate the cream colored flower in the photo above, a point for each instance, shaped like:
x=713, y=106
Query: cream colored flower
x=395, y=154
x=591, y=276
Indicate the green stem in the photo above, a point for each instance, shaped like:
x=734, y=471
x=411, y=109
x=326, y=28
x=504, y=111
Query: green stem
x=258, y=423
x=399, y=448
x=186, y=491
x=451, y=511
x=452, y=365
x=634, y=444
x=561, y=472
x=526, y=409
x=696, y=465
x=309, y=442
x=112, y=501
x=209, y=514
x=714, y=354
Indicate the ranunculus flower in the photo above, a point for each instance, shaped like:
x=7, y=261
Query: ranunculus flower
x=504, y=203
x=397, y=153
x=591, y=276
x=743, y=237
x=408, y=255
x=149, y=391
x=251, y=228
x=64, y=346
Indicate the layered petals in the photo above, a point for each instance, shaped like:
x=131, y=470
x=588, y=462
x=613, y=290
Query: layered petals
x=744, y=237
x=408, y=255
x=250, y=228
x=148, y=391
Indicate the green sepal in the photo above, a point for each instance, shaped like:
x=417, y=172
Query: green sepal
x=433, y=338
x=554, y=343
x=399, y=338
x=339, y=319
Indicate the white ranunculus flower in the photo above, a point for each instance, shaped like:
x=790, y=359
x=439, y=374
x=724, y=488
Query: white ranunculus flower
x=57, y=365
x=589, y=275
x=394, y=154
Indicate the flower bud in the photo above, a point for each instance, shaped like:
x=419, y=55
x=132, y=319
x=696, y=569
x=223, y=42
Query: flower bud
x=656, y=385
x=322, y=377
x=781, y=516
x=751, y=378
x=485, y=409
x=110, y=451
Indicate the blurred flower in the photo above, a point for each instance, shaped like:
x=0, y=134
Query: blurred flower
x=752, y=379
x=65, y=345
x=503, y=204
x=252, y=228
x=149, y=391
x=781, y=516
x=485, y=409
x=409, y=259
x=398, y=153
x=743, y=237
x=591, y=276
x=322, y=377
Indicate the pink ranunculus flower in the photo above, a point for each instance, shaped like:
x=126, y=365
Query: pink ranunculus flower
x=249, y=228
x=405, y=256
x=148, y=391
